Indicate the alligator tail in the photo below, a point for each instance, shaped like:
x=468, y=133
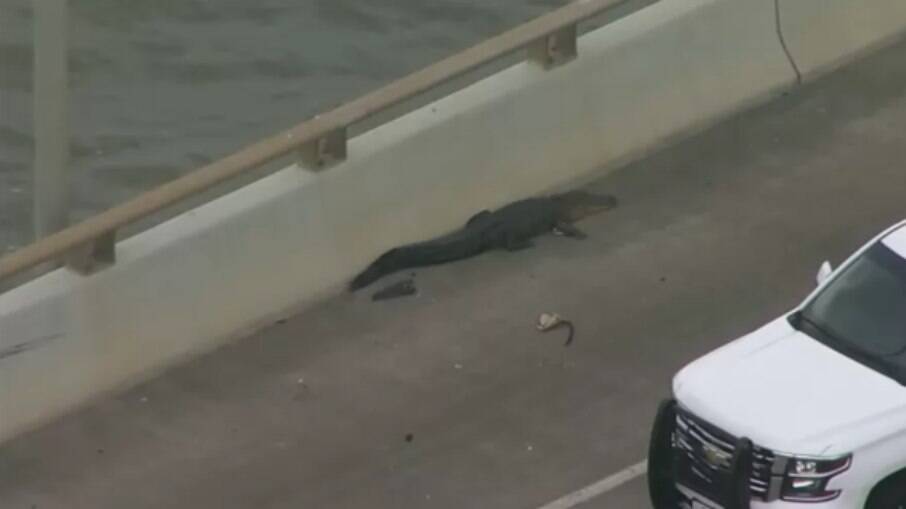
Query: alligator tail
x=365, y=278
x=378, y=269
x=442, y=250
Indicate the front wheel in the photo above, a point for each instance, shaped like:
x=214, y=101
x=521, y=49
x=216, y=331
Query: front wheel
x=889, y=493
x=661, y=487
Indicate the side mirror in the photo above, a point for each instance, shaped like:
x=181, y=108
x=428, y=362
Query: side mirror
x=824, y=272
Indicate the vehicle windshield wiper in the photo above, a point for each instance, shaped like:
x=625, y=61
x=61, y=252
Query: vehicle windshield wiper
x=872, y=360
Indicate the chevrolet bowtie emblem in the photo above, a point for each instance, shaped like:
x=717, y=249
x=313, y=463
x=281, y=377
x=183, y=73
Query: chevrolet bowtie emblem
x=716, y=457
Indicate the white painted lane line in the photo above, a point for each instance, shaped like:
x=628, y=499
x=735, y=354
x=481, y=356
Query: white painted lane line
x=599, y=488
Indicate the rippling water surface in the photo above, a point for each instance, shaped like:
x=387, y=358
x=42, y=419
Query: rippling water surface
x=160, y=87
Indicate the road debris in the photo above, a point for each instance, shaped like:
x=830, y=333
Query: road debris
x=550, y=321
x=402, y=288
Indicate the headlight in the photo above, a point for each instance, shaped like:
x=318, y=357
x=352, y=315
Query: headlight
x=807, y=478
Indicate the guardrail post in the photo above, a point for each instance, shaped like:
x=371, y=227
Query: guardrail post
x=51, y=117
x=556, y=48
x=325, y=151
x=94, y=256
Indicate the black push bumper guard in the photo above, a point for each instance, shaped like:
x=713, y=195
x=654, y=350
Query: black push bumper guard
x=662, y=466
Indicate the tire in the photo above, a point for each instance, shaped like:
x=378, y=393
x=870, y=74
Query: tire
x=889, y=493
x=661, y=488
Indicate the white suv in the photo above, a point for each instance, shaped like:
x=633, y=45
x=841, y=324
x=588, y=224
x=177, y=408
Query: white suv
x=808, y=411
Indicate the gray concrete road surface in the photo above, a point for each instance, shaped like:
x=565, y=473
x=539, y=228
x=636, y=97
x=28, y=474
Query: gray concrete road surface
x=714, y=237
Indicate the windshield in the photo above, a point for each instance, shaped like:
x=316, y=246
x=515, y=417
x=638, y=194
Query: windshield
x=863, y=310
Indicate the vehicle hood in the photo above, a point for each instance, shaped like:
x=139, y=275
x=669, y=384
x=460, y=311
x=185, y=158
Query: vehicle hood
x=786, y=391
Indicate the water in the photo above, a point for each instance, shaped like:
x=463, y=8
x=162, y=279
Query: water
x=160, y=87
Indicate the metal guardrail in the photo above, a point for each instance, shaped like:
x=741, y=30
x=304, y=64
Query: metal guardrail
x=90, y=245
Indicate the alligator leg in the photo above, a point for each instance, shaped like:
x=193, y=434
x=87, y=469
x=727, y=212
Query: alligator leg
x=570, y=231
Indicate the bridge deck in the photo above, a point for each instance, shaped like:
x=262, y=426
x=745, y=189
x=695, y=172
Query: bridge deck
x=714, y=236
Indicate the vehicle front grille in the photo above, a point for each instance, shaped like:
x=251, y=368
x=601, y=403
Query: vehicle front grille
x=705, y=455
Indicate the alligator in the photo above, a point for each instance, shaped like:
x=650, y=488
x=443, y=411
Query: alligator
x=511, y=228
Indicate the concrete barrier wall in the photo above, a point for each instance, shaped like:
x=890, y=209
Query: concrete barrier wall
x=824, y=34
x=292, y=238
